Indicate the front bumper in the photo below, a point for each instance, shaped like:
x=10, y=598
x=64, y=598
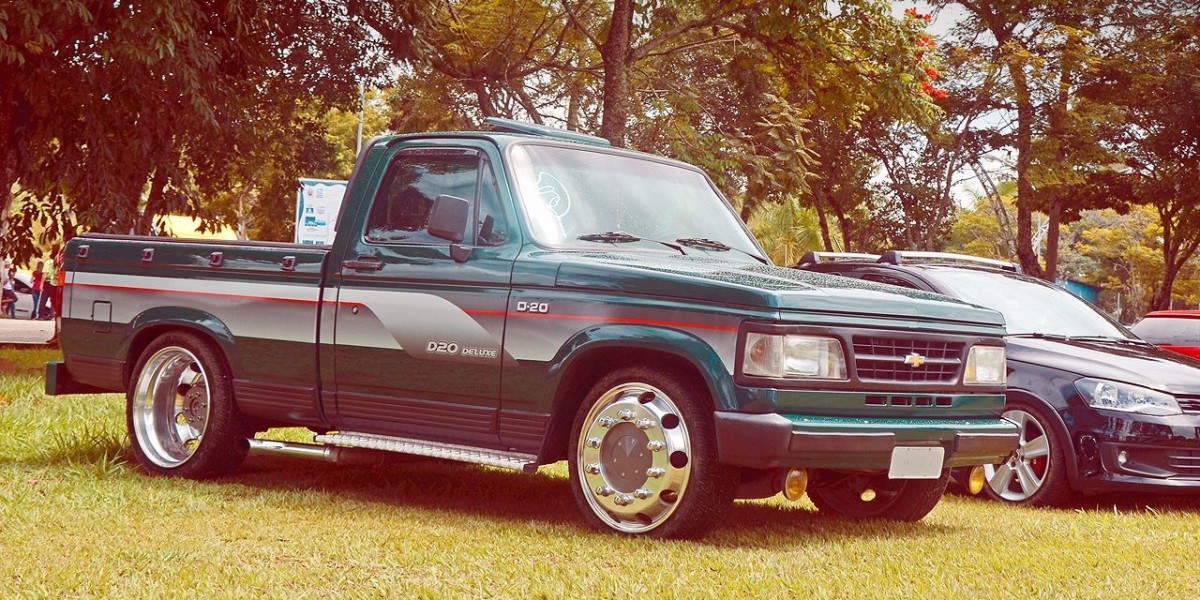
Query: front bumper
x=786, y=440
x=1118, y=452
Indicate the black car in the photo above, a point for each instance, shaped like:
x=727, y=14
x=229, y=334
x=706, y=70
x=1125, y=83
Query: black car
x=1100, y=410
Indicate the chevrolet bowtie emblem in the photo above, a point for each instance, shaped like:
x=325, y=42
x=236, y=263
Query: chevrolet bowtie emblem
x=914, y=360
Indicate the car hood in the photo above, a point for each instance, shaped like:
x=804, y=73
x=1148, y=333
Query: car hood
x=759, y=286
x=1144, y=365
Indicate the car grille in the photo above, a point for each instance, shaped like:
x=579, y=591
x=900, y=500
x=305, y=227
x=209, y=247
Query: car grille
x=1188, y=404
x=883, y=359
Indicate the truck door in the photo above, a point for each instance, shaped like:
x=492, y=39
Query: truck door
x=419, y=322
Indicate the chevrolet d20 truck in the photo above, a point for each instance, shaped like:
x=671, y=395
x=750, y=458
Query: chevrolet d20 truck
x=518, y=296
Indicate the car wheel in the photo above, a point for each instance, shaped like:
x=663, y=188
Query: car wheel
x=875, y=497
x=1035, y=474
x=643, y=457
x=180, y=409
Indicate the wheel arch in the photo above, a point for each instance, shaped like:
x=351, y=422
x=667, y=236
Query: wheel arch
x=600, y=350
x=1069, y=451
x=152, y=323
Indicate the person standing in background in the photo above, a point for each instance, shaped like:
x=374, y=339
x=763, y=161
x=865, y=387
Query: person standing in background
x=56, y=299
x=49, y=287
x=9, y=297
x=36, y=285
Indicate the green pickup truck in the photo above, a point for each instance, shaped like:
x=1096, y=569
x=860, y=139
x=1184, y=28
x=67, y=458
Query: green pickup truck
x=523, y=295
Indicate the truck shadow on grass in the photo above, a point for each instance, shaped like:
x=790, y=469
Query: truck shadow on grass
x=544, y=497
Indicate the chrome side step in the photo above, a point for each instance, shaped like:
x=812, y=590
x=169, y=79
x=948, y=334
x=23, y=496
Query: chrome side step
x=497, y=458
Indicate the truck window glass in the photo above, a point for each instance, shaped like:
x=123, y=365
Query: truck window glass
x=492, y=228
x=400, y=212
x=568, y=192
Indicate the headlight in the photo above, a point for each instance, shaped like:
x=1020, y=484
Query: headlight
x=793, y=356
x=986, y=366
x=1128, y=398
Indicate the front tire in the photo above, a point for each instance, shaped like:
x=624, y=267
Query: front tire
x=1035, y=474
x=180, y=410
x=643, y=457
x=875, y=497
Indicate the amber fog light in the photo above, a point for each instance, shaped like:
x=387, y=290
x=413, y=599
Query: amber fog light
x=976, y=480
x=795, y=483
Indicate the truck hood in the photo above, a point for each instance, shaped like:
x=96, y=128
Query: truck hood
x=1114, y=360
x=758, y=286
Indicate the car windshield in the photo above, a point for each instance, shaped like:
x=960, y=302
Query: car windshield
x=1030, y=307
x=569, y=193
x=1169, y=330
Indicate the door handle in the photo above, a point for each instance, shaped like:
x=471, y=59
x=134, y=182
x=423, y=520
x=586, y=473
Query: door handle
x=363, y=263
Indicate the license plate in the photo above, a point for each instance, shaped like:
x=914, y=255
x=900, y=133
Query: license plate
x=916, y=463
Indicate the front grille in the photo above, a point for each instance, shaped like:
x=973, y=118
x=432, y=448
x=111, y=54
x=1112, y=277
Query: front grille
x=883, y=359
x=1188, y=404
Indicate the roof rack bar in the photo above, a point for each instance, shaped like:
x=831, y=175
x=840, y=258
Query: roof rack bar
x=510, y=126
x=898, y=257
x=812, y=258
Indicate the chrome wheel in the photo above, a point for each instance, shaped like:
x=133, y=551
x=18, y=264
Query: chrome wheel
x=170, y=406
x=634, y=457
x=1024, y=473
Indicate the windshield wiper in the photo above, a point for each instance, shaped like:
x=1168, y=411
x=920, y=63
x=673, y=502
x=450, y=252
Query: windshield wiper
x=1082, y=338
x=1041, y=336
x=707, y=244
x=620, y=237
x=1115, y=340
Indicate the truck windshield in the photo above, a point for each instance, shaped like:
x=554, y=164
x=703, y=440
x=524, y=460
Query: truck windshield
x=569, y=193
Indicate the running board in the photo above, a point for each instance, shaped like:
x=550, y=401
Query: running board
x=526, y=463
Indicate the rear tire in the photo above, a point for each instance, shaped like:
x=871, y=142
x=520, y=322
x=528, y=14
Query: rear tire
x=876, y=497
x=643, y=457
x=180, y=409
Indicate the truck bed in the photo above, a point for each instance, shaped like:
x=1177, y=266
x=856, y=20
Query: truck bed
x=264, y=296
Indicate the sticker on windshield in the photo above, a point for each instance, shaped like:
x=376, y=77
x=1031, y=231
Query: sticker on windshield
x=554, y=195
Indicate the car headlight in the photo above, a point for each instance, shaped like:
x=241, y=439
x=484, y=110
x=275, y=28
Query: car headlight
x=793, y=357
x=1112, y=395
x=986, y=366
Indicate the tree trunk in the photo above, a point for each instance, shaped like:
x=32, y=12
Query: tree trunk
x=1052, y=231
x=818, y=206
x=844, y=227
x=1026, y=254
x=615, y=51
x=154, y=201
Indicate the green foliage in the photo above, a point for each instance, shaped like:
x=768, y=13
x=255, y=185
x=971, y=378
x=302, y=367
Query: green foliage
x=1118, y=252
x=120, y=113
x=1051, y=54
x=786, y=230
x=730, y=86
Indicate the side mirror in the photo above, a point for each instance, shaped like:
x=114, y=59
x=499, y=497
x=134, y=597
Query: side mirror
x=448, y=220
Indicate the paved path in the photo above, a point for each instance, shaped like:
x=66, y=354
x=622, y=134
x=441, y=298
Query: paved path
x=24, y=331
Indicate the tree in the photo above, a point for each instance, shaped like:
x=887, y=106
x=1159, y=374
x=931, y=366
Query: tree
x=1048, y=52
x=727, y=85
x=119, y=112
x=1156, y=81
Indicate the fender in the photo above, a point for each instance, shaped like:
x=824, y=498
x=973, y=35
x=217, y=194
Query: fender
x=1069, y=448
x=687, y=346
x=143, y=328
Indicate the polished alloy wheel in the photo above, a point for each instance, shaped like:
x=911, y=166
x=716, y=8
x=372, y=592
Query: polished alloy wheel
x=170, y=406
x=634, y=457
x=1024, y=472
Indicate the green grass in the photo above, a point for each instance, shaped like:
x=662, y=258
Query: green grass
x=78, y=520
